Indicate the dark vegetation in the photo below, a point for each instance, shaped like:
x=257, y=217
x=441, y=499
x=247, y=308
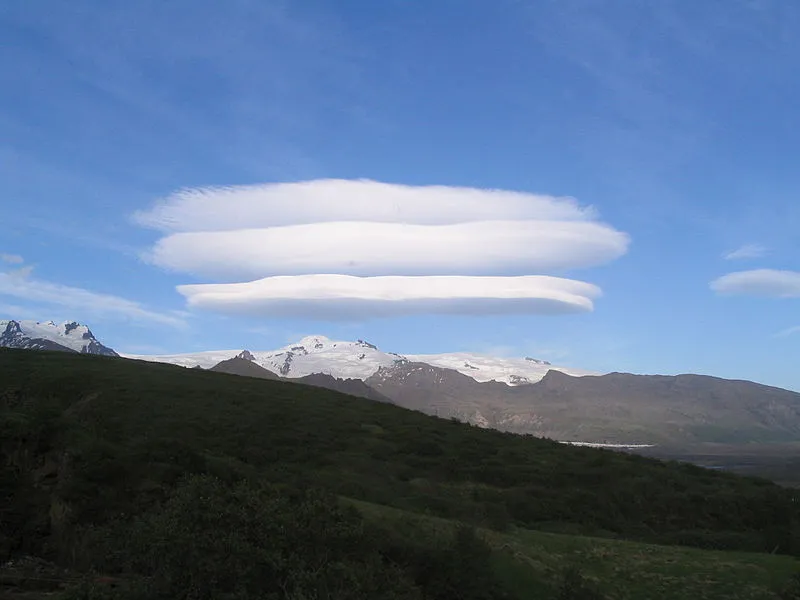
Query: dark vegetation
x=190, y=484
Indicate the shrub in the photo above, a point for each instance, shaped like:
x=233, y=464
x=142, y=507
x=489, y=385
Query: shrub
x=791, y=590
x=574, y=586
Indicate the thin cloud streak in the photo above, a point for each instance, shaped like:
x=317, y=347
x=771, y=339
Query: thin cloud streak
x=788, y=332
x=36, y=290
x=746, y=251
x=12, y=259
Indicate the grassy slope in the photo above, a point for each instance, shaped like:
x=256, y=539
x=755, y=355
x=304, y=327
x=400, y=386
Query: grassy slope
x=104, y=436
x=131, y=427
x=532, y=561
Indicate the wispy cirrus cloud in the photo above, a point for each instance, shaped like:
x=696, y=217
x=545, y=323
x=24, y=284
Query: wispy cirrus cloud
x=770, y=283
x=18, y=284
x=333, y=248
x=12, y=259
x=746, y=251
x=788, y=331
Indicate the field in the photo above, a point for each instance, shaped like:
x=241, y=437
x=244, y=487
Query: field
x=535, y=561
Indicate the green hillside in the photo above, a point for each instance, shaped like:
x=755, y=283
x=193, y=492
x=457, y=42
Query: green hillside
x=173, y=479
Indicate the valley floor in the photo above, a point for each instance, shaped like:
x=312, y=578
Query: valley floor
x=777, y=462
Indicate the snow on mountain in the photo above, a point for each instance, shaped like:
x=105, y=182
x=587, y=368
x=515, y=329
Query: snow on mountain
x=481, y=367
x=361, y=360
x=318, y=354
x=310, y=355
x=206, y=360
x=36, y=335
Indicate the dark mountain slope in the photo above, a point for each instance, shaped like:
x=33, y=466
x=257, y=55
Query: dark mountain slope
x=88, y=439
x=354, y=387
x=616, y=408
x=241, y=366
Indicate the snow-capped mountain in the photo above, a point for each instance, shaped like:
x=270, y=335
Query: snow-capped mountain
x=361, y=360
x=482, y=367
x=67, y=337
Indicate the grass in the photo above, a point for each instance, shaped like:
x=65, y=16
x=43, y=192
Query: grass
x=532, y=562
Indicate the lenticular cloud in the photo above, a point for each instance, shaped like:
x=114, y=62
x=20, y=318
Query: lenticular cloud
x=334, y=248
x=370, y=249
x=336, y=296
x=324, y=200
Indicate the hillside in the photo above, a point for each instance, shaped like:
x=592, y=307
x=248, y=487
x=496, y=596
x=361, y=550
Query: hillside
x=247, y=368
x=238, y=365
x=519, y=395
x=101, y=444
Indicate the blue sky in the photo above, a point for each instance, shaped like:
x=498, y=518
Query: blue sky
x=676, y=121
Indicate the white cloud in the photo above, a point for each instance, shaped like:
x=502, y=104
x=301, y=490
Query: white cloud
x=19, y=285
x=788, y=332
x=760, y=282
x=487, y=248
x=329, y=200
x=333, y=248
x=12, y=259
x=345, y=296
x=746, y=251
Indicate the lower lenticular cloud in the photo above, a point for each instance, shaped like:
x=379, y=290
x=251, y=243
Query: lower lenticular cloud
x=345, y=296
x=769, y=283
x=491, y=247
x=332, y=248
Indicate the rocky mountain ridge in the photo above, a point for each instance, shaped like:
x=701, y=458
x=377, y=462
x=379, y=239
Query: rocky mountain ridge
x=525, y=396
x=69, y=336
x=360, y=360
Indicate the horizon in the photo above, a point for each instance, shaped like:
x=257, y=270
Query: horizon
x=608, y=188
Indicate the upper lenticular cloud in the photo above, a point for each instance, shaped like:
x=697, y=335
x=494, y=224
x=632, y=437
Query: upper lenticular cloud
x=344, y=296
x=326, y=200
x=484, y=248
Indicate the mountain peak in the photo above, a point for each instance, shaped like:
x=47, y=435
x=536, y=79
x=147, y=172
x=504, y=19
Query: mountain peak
x=69, y=336
x=313, y=342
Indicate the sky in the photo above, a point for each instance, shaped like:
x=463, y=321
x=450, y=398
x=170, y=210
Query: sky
x=605, y=184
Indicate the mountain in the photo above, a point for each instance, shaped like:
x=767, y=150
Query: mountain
x=520, y=395
x=239, y=365
x=243, y=364
x=352, y=387
x=66, y=337
x=361, y=360
x=614, y=409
